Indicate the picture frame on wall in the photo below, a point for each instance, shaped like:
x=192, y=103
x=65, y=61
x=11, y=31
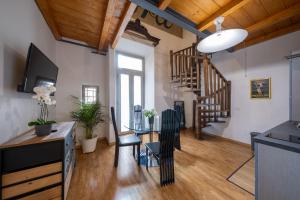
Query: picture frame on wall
x=260, y=88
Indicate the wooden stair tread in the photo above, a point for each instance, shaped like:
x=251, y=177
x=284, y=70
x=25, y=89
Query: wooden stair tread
x=226, y=110
x=207, y=104
x=217, y=121
x=193, y=90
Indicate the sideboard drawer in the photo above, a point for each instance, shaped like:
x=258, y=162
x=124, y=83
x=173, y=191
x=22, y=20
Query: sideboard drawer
x=31, y=173
x=15, y=190
x=19, y=158
x=52, y=193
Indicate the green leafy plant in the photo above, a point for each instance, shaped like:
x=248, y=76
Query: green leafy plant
x=89, y=115
x=40, y=122
x=149, y=113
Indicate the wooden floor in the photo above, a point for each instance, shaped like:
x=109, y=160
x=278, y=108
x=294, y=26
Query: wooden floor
x=201, y=169
x=245, y=176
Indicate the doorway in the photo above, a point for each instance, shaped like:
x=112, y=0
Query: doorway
x=130, y=87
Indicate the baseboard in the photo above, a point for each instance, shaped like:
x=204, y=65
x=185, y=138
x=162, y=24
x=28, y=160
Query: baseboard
x=229, y=140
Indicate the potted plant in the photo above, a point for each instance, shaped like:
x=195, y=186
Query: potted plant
x=42, y=125
x=89, y=115
x=150, y=114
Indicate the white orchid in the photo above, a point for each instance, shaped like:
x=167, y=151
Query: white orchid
x=43, y=94
x=43, y=97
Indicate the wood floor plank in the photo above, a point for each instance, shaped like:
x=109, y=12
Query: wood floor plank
x=245, y=176
x=201, y=169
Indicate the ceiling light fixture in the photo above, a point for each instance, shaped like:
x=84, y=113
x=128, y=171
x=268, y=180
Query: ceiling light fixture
x=221, y=39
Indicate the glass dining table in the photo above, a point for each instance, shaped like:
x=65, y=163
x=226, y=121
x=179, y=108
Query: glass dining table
x=141, y=128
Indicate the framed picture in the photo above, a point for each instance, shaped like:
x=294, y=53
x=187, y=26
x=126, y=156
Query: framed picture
x=260, y=88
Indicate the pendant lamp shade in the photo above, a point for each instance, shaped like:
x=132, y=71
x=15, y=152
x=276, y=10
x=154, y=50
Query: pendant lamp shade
x=222, y=39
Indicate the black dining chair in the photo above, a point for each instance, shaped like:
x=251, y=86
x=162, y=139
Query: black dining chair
x=178, y=110
x=125, y=140
x=163, y=151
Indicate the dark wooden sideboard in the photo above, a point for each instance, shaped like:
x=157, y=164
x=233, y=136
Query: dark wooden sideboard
x=38, y=167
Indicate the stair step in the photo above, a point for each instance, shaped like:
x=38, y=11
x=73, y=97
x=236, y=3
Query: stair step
x=175, y=81
x=211, y=116
x=186, y=85
x=214, y=110
x=204, y=126
x=193, y=90
x=217, y=121
x=199, y=98
x=207, y=104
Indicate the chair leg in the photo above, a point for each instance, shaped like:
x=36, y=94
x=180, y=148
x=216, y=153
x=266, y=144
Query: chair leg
x=133, y=150
x=161, y=172
x=147, y=155
x=177, y=142
x=116, y=156
x=139, y=153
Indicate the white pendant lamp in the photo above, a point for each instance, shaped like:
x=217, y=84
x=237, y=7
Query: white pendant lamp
x=221, y=39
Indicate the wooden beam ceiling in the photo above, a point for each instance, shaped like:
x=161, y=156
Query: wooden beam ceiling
x=163, y=4
x=223, y=11
x=47, y=13
x=104, y=36
x=269, y=36
x=273, y=19
x=129, y=10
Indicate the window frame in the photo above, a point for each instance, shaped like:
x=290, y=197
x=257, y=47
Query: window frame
x=84, y=87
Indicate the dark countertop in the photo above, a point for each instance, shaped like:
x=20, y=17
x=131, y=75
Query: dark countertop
x=282, y=136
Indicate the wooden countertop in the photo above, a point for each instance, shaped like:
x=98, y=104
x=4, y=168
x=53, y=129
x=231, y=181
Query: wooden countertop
x=29, y=137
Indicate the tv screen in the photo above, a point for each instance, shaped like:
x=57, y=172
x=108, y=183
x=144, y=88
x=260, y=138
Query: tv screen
x=40, y=70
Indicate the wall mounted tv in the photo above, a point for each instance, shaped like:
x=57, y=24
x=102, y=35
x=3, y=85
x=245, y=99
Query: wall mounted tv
x=40, y=71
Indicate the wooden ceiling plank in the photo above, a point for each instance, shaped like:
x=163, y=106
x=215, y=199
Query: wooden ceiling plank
x=163, y=4
x=224, y=11
x=129, y=10
x=103, y=40
x=46, y=12
x=269, y=36
x=273, y=19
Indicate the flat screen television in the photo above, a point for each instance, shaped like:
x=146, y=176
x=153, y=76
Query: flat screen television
x=39, y=71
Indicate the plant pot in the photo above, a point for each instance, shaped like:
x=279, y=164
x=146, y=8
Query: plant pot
x=42, y=130
x=89, y=145
x=151, y=122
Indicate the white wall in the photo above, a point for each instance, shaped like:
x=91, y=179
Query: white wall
x=77, y=67
x=138, y=49
x=157, y=81
x=147, y=52
x=165, y=92
x=20, y=23
x=259, y=61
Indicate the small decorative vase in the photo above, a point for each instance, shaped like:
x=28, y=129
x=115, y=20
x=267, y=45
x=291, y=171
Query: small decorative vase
x=151, y=122
x=42, y=130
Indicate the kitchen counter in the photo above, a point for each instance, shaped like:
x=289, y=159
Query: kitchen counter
x=277, y=161
x=285, y=136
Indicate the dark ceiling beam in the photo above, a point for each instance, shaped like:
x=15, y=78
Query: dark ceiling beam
x=170, y=15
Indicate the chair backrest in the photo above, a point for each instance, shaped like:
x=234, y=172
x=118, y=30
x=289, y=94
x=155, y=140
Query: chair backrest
x=167, y=135
x=178, y=110
x=137, y=116
x=113, y=117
